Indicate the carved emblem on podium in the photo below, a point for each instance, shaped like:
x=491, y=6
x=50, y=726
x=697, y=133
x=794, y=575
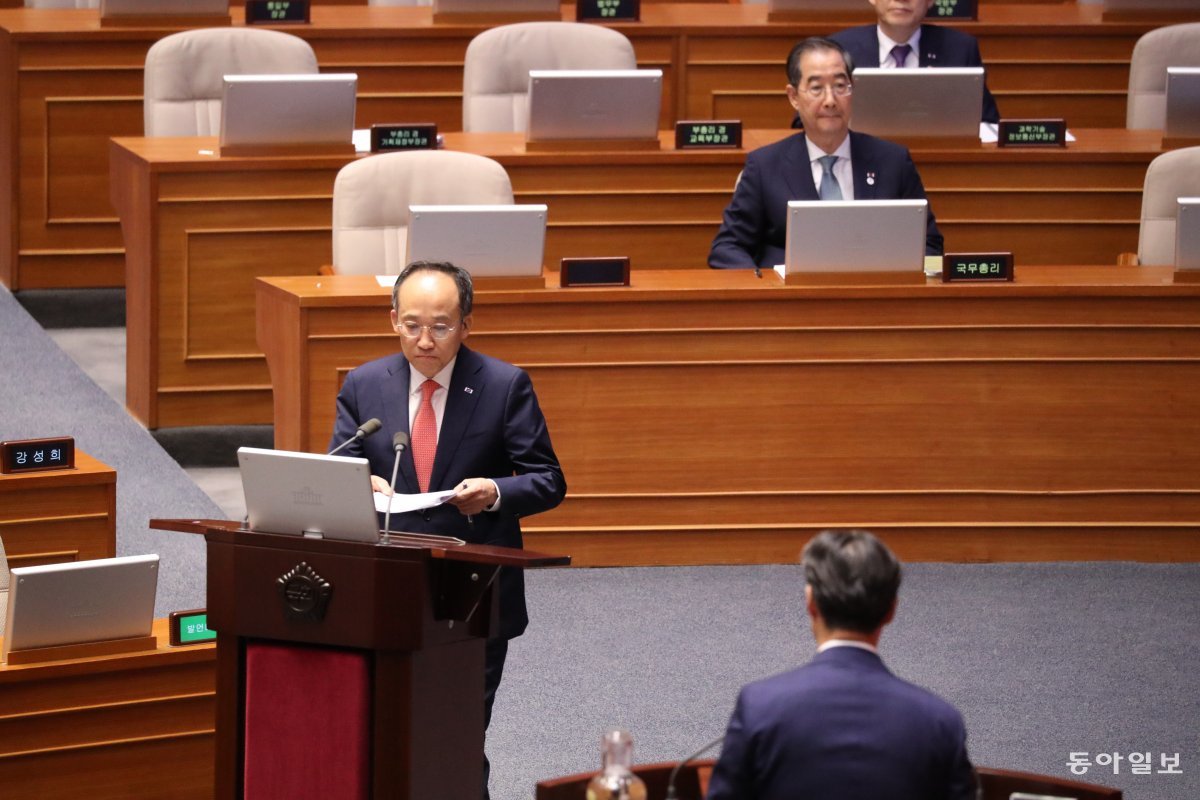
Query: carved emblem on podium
x=305, y=593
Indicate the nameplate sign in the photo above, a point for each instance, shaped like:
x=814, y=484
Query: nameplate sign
x=608, y=11
x=954, y=9
x=277, y=12
x=35, y=455
x=1032, y=133
x=189, y=627
x=613, y=271
x=413, y=136
x=977, y=267
x=708, y=134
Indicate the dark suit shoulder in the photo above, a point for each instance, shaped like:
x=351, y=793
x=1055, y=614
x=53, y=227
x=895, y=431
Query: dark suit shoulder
x=862, y=42
x=473, y=361
x=379, y=367
x=864, y=144
x=939, y=36
x=771, y=153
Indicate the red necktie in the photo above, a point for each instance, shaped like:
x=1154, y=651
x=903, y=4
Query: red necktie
x=424, y=436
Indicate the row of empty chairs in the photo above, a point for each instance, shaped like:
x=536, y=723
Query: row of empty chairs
x=184, y=70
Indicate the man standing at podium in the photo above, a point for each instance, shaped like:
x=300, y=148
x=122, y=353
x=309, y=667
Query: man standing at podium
x=474, y=425
x=843, y=727
x=827, y=161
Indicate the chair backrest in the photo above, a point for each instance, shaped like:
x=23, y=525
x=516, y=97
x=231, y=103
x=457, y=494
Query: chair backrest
x=1172, y=46
x=184, y=70
x=371, y=197
x=60, y=4
x=498, y=61
x=1170, y=176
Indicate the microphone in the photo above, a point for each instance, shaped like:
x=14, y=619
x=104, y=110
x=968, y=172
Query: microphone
x=399, y=442
x=364, y=430
x=671, y=794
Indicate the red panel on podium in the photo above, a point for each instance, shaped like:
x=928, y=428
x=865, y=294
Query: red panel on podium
x=308, y=715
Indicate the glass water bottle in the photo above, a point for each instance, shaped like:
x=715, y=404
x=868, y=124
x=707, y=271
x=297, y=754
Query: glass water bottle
x=616, y=780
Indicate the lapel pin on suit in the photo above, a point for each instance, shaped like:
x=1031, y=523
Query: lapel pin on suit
x=468, y=390
x=931, y=56
x=870, y=179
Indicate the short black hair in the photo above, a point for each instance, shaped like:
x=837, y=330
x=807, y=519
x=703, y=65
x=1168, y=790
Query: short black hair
x=854, y=579
x=462, y=279
x=811, y=45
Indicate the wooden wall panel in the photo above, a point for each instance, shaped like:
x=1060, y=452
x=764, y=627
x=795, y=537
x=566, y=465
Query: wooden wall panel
x=710, y=418
x=60, y=515
x=113, y=727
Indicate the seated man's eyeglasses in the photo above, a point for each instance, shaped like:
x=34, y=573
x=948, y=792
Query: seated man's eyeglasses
x=839, y=88
x=438, y=331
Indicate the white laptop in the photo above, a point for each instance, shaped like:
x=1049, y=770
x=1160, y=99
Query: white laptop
x=593, y=104
x=918, y=102
x=288, y=109
x=1126, y=6
x=485, y=240
x=1187, y=233
x=551, y=7
x=81, y=601
x=1183, y=102
x=305, y=494
x=191, y=8
x=855, y=236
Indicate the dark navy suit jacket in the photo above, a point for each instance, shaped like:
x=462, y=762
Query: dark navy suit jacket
x=842, y=727
x=754, y=228
x=939, y=47
x=492, y=428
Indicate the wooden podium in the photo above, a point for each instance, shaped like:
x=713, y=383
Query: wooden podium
x=410, y=618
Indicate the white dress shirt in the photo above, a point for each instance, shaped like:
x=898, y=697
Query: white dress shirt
x=842, y=169
x=886, y=45
x=438, y=401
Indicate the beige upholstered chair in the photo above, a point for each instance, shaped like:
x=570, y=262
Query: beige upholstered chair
x=1172, y=46
x=1172, y=175
x=184, y=71
x=498, y=61
x=371, y=197
x=59, y=4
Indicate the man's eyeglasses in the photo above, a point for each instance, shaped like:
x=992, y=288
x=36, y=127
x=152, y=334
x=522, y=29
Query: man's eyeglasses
x=817, y=90
x=438, y=331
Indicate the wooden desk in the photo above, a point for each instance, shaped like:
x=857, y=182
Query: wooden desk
x=111, y=728
x=708, y=417
x=692, y=783
x=199, y=228
x=60, y=515
x=74, y=85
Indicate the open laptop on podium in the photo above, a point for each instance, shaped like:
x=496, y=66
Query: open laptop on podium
x=305, y=494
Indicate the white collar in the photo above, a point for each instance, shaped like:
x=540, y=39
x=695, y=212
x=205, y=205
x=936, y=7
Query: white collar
x=886, y=43
x=415, y=379
x=842, y=151
x=830, y=643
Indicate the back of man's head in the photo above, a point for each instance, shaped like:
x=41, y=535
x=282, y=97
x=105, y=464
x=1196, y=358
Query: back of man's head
x=854, y=578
